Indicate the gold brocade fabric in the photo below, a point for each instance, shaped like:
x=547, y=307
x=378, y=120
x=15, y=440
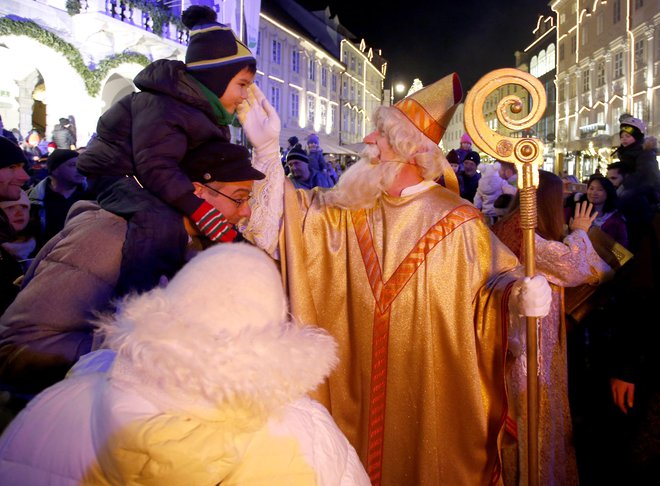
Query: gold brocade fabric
x=446, y=402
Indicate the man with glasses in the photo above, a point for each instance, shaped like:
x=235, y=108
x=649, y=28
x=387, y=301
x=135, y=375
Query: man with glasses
x=51, y=322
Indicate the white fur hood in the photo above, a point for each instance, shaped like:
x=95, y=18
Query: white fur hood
x=218, y=338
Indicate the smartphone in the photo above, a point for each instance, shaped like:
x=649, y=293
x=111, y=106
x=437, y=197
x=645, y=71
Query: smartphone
x=575, y=187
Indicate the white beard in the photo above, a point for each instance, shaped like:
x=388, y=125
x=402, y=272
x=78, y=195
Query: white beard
x=364, y=182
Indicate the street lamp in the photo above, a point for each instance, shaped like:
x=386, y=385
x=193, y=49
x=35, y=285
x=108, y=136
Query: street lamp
x=399, y=88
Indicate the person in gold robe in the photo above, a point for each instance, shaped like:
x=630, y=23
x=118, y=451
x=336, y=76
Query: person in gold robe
x=412, y=284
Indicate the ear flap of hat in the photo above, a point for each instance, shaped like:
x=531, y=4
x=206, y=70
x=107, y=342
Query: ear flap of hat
x=430, y=109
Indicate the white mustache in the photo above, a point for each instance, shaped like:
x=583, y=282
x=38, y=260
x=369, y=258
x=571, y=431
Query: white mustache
x=371, y=153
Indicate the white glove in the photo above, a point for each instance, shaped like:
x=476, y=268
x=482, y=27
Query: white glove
x=531, y=297
x=260, y=121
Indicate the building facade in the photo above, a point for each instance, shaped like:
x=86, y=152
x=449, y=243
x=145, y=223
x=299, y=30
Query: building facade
x=539, y=58
x=608, y=64
x=77, y=57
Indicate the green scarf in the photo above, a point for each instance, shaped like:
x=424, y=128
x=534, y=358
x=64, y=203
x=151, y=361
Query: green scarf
x=222, y=116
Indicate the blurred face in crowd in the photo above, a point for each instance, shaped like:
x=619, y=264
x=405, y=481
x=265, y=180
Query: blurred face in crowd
x=596, y=193
x=68, y=174
x=33, y=139
x=230, y=198
x=12, y=179
x=466, y=145
x=236, y=90
x=299, y=169
x=506, y=172
x=469, y=167
x=626, y=139
x=455, y=167
x=18, y=216
x=615, y=177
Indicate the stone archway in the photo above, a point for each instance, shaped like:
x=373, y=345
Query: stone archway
x=115, y=88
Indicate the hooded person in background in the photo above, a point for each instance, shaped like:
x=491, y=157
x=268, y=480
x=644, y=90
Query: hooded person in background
x=470, y=175
x=413, y=285
x=133, y=163
x=23, y=247
x=301, y=173
x=639, y=195
x=12, y=179
x=465, y=148
x=327, y=175
x=52, y=198
x=63, y=135
x=204, y=381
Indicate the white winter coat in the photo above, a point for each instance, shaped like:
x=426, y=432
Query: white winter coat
x=193, y=391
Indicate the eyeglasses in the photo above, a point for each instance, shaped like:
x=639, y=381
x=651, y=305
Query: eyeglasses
x=237, y=202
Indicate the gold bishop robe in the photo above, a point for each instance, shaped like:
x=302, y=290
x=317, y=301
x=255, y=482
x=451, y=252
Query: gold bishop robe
x=428, y=272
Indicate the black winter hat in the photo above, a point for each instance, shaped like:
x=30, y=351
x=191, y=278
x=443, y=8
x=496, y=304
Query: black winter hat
x=64, y=122
x=293, y=140
x=58, y=157
x=452, y=157
x=10, y=153
x=634, y=127
x=218, y=161
x=473, y=156
x=297, y=153
x=214, y=55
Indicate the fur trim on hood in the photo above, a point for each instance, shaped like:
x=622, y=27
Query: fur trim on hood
x=217, y=339
x=490, y=181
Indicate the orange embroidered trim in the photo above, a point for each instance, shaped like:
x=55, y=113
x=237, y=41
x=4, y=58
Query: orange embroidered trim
x=384, y=295
x=421, y=118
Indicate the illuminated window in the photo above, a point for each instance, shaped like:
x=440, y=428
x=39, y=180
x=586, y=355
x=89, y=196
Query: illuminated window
x=600, y=74
x=295, y=105
x=323, y=111
x=324, y=77
x=550, y=60
x=618, y=65
x=311, y=70
x=639, y=53
x=295, y=61
x=276, y=53
x=333, y=82
x=573, y=44
x=586, y=85
x=311, y=105
x=542, y=69
x=616, y=11
x=275, y=97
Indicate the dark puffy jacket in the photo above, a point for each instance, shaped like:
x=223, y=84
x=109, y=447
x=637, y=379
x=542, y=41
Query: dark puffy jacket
x=146, y=134
x=63, y=137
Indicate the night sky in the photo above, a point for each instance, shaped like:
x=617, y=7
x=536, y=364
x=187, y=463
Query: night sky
x=430, y=39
